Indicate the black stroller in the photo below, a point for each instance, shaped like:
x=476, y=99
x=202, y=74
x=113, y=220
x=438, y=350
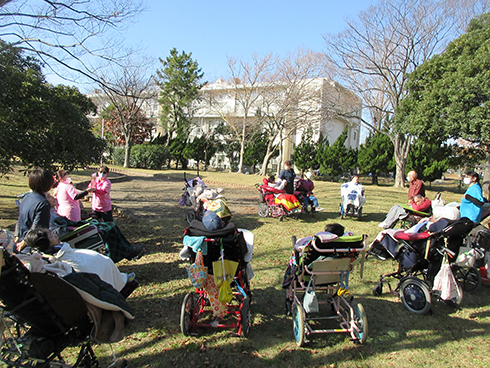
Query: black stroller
x=419, y=256
x=42, y=316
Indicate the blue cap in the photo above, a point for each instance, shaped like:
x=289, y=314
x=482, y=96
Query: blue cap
x=212, y=221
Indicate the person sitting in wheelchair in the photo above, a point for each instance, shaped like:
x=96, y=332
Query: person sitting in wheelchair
x=80, y=260
x=421, y=207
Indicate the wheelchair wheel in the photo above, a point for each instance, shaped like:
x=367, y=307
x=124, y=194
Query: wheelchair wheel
x=190, y=216
x=359, y=324
x=186, y=314
x=245, y=316
x=341, y=211
x=468, y=278
x=263, y=210
x=299, y=324
x=415, y=295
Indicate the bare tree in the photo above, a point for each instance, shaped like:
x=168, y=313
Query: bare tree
x=126, y=90
x=374, y=55
x=68, y=35
x=291, y=101
x=247, y=79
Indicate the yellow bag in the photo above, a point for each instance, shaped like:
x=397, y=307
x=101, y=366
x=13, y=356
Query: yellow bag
x=225, y=294
x=224, y=269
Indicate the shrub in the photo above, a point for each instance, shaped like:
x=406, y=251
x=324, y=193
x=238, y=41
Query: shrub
x=148, y=156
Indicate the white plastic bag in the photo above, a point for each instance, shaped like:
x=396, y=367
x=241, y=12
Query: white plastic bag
x=445, y=282
x=310, y=301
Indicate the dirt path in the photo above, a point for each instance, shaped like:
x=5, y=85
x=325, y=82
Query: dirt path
x=155, y=197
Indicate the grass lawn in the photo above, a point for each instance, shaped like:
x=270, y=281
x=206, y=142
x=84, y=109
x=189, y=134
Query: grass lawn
x=148, y=214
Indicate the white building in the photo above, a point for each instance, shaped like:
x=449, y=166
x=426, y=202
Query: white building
x=320, y=104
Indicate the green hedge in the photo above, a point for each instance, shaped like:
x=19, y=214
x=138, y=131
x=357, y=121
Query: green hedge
x=143, y=156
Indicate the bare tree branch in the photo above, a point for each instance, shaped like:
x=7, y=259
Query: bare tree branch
x=70, y=36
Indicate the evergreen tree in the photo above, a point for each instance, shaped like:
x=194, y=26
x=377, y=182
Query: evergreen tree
x=336, y=160
x=376, y=156
x=180, y=82
x=429, y=159
x=255, y=150
x=305, y=153
x=40, y=124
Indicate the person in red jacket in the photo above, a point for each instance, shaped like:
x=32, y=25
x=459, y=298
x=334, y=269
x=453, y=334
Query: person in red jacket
x=421, y=203
x=416, y=187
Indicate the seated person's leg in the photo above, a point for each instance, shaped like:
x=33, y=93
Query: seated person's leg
x=394, y=214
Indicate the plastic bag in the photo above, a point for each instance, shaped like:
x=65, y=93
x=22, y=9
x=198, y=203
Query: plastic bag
x=445, y=282
x=224, y=269
x=468, y=256
x=310, y=301
x=197, y=272
x=225, y=293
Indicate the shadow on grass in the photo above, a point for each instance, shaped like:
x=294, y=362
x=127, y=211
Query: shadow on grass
x=271, y=340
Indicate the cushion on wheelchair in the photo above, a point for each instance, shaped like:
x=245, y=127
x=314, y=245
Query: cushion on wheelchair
x=411, y=210
x=196, y=228
x=401, y=235
x=342, y=246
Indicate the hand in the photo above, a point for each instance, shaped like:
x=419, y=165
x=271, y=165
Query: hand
x=90, y=190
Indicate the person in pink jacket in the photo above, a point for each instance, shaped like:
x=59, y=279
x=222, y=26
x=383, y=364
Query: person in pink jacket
x=68, y=197
x=101, y=199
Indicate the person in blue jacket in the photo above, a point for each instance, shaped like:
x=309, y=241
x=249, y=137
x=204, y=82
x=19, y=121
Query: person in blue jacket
x=288, y=175
x=472, y=201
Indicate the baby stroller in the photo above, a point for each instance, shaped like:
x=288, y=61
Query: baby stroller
x=42, y=315
x=320, y=266
x=352, y=200
x=188, y=198
x=275, y=202
x=222, y=298
x=419, y=256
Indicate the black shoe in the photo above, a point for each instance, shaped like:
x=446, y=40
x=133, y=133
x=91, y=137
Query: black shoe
x=136, y=253
x=129, y=288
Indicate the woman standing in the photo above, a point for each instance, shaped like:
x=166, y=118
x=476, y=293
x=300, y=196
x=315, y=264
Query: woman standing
x=472, y=201
x=68, y=197
x=101, y=200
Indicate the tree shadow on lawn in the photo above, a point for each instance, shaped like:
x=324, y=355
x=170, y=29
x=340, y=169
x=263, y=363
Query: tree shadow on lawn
x=392, y=329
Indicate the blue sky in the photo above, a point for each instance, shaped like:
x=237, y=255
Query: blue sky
x=214, y=30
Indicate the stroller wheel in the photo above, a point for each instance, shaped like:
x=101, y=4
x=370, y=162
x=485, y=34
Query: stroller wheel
x=281, y=218
x=378, y=289
x=263, y=210
x=359, y=324
x=190, y=216
x=245, y=317
x=415, y=295
x=468, y=278
x=186, y=314
x=299, y=324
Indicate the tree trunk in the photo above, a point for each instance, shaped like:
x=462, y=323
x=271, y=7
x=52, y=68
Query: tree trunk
x=486, y=183
x=127, y=153
x=265, y=163
x=375, y=179
x=402, y=147
x=281, y=158
x=242, y=150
